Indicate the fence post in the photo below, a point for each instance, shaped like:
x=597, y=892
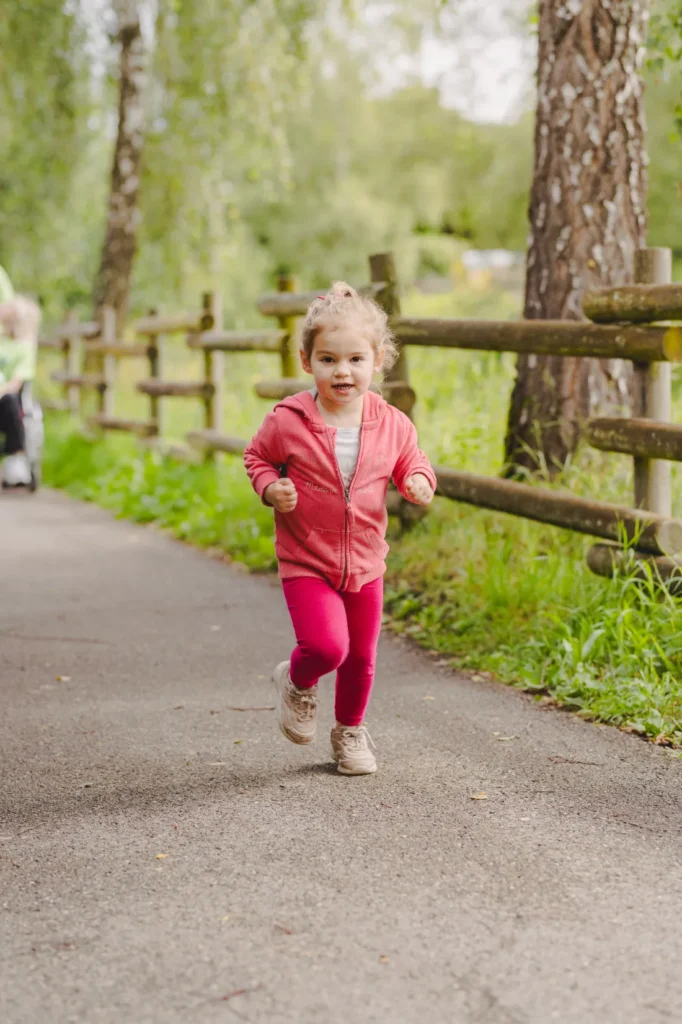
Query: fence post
x=213, y=371
x=653, y=398
x=382, y=269
x=286, y=283
x=108, y=363
x=154, y=354
x=71, y=362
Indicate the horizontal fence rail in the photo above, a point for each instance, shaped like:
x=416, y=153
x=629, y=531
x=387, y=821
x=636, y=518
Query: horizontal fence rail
x=647, y=439
x=651, y=533
x=238, y=341
x=138, y=427
x=545, y=337
x=286, y=304
x=609, y=559
x=217, y=442
x=635, y=303
x=174, y=323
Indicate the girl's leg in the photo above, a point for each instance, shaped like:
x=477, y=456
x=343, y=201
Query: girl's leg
x=355, y=676
x=319, y=621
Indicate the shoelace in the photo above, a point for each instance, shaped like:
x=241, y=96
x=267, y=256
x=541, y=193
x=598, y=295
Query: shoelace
x=358, y=738
x=304, y=703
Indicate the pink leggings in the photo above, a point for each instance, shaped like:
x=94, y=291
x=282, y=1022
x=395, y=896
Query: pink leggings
x=336, y=631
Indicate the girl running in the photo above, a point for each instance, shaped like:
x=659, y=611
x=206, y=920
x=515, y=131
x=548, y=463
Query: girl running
x=323, y=460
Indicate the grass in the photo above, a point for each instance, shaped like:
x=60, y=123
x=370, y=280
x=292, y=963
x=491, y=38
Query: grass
x=486, y=591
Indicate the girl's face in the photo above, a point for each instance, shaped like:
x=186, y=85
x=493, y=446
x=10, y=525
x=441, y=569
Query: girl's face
x=342, y=363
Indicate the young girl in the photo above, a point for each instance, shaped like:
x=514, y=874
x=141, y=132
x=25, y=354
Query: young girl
x=323, y=459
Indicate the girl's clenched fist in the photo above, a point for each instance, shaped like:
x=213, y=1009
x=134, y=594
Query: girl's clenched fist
x=282, y=495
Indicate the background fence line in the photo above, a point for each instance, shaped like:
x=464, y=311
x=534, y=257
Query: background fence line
x=632, y=322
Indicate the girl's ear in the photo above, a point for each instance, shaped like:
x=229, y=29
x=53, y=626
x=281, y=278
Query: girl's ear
x=305, y=362
x=379, y=357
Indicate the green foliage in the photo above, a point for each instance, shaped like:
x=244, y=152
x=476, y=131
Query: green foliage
x=51, y=203
x=207, y=506
x=517, y=599
x=272, y=144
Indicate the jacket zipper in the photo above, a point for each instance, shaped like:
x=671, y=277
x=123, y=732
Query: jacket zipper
x=348, y=510
x=349, y=507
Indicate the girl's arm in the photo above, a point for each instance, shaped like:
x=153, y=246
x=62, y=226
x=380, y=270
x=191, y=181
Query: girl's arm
x=412, y=462
x=264, y=457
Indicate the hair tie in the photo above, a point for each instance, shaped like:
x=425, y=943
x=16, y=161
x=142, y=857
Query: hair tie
x=323, y=297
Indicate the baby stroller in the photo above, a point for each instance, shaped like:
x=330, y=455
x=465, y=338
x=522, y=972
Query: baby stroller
x=34, y=437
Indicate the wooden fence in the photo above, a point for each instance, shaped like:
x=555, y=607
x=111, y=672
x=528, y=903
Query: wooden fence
x=631, y=323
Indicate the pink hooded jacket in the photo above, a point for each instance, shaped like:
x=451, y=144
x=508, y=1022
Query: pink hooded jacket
x=330, y=534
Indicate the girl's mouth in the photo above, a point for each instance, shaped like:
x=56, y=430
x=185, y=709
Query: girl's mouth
x=343, y=388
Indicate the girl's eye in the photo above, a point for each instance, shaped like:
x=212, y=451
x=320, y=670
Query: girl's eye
x=327, y=359
x=358, y=359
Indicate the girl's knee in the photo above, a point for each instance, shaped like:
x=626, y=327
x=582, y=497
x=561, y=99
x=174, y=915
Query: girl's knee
x=327, y=652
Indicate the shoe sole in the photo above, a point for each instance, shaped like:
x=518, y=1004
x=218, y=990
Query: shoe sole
x=349, y=771
x=300, y=741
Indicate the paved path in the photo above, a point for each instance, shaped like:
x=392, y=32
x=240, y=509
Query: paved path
x=165, y=859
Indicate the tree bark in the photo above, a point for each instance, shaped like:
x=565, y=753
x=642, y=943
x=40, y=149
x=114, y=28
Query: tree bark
x=112, y=284
x=587, y=215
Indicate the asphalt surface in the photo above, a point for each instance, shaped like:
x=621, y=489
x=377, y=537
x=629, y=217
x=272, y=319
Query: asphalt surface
x=165, y=858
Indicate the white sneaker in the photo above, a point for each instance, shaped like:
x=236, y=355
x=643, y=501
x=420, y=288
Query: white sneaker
x=297, y=709
x=351, y=750
x=16, y=470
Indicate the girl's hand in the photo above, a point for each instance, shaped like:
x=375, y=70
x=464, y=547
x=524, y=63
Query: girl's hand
x=282, y=495
x=418, y=490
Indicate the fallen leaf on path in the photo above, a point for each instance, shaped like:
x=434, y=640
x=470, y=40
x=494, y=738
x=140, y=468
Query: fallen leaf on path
x=260, y=677
x=265, y=707
x=239, y=992
x=429, y=698
x=384, y=960
x=556, y=759
x=479, y=796
x=63, y=679
x=238, y=741
x=225, y=918
x=161, y=856
x=506, y=739
x=283, y=928
x=216, y=764
x=179, y=707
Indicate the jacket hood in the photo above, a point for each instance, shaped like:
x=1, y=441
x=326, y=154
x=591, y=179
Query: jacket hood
x=304, y=405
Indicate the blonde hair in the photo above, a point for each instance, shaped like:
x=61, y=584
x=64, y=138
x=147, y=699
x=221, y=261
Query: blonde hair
x=343, y=303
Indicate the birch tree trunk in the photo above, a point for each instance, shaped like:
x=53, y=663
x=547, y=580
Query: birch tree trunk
x=112, y=284
x=587, y=214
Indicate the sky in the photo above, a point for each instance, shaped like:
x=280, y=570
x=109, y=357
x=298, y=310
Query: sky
x=486, y=79
x=481, y=59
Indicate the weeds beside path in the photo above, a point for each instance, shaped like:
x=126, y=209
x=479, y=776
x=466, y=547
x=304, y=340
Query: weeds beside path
x=488, y=592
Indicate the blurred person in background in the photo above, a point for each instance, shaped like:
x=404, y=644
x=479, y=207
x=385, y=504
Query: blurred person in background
x=19, y=326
